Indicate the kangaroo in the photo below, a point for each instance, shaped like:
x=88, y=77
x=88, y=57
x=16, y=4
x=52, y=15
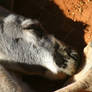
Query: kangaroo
x=26, y=48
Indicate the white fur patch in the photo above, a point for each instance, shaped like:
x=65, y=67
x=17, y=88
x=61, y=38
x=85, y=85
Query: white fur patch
x=10, y=18
x=51, y=66
x=29, y=37
x=48, y=61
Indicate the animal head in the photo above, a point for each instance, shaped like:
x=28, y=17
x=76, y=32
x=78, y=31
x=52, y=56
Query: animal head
x=24, y=40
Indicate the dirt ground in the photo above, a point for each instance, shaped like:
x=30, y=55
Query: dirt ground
x=69, y=20
x=80, y=11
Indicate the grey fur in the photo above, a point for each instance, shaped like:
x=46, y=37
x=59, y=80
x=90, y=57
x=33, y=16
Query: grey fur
x=23, y=42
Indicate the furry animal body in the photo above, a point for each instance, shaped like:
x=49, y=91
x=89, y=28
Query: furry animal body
x=26, y=48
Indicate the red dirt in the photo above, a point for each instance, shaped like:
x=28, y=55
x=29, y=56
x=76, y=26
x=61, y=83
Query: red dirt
x=78, y=10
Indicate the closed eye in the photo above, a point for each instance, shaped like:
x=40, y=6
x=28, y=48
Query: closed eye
x=37, y=29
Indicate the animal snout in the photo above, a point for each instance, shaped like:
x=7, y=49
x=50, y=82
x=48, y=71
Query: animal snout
x=66, y=58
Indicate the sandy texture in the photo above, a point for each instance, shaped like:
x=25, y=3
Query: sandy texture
x=78, y=10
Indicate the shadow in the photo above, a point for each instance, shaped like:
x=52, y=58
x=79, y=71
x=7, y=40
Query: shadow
x=41, y=84
x=33, y=75
x=55, y=22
